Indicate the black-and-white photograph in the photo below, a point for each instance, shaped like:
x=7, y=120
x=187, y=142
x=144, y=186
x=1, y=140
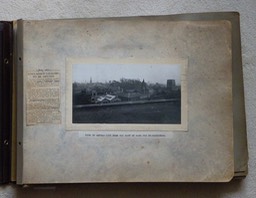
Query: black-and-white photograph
x=126, y=93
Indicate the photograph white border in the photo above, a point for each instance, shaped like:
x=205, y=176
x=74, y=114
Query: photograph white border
x=129, y=126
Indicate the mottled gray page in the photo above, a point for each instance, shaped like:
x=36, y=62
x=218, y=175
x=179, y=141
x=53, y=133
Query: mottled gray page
x=139, y=99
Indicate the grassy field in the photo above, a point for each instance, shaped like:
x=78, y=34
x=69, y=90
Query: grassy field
x=161, y=113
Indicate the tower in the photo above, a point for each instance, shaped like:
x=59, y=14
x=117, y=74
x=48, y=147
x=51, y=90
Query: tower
x=171, y=84
x=143, y=86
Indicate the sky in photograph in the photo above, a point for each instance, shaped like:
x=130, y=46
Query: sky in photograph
x=153, y=73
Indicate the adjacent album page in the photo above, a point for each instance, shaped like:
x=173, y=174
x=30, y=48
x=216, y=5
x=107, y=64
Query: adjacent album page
x=136, y=99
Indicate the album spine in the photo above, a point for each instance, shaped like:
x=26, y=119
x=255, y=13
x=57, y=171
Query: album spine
x=6, y=61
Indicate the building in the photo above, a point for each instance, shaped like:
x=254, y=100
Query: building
x=171, y=85
x=108, y=98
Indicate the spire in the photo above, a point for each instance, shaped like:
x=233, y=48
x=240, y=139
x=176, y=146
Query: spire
x=90, y=80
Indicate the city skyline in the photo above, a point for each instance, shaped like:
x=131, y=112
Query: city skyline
x=153, y=73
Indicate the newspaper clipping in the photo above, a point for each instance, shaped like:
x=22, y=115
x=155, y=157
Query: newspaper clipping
x=43, y=97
